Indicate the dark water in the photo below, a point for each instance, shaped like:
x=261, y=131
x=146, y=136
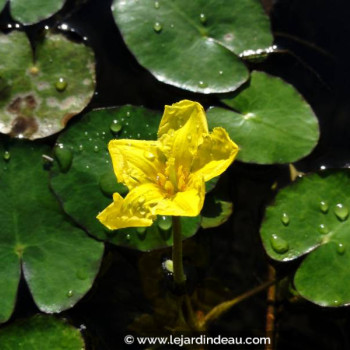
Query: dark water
x=229, y=260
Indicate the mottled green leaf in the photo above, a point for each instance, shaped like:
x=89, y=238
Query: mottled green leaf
x=33, y=11
x=41, y=333
x=311, y=217
x=38, y=96
x=270, y=121
x=59, y=261
x=193, y=44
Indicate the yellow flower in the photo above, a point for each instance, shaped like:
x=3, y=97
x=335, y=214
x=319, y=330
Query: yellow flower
x=167, y=176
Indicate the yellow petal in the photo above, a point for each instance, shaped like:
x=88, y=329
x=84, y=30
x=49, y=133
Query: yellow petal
x=181, y=130
x=135, y=210
x=214, y=155
x=186, y=203
x=135, y=162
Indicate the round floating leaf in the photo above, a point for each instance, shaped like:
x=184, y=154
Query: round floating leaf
x=37, y=98
x=193, y=44
x=312, y=216
x=272, y=122
x=91, y=168
x=210, y=185
x=33, y=11
x=215, y=212
x=41, y=332
x=2, y=4
x=58, y=260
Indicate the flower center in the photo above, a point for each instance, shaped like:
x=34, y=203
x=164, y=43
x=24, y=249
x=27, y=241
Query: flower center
x=173, y=180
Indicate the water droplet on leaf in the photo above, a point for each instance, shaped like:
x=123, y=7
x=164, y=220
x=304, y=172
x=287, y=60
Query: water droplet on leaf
x=96, y=148
x=164, y=222
x=279, y=245
x=203, y=18
x=70, y=293
x=128, y=237
x=82, y=274
x=202, y=84
x=340, y=248
x=341, y=211
x=323, y=229
x=324, y=206
x=285, y=219
x=7, y=155
x=157, y=27
x=156, y=4
x=109, y=185
x=61, y=84
x=64, y=157
x=115, y=127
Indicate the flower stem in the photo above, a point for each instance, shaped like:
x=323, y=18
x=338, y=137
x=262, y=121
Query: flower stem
x=179, y=275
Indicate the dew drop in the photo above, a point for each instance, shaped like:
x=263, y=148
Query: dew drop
x=7, y=155
x=189, y=138
x=70, y=293
x=115, y=127
x=323, y=229
x=109, y=185
x=279, y=245
x=341, y=211
x=149, y=155
x=285, y=219
x=202, y=84
x=64, y=157
x=156, y=4
x=128, y=237
x=157, y=27
x=141, y=200
x=81, y=148
x=203, y=18
x=324, y=206
x=96, y=148
x=221, y=72
x=61, y=84
x=82, y=274
x=164, y=222
x=340, y=248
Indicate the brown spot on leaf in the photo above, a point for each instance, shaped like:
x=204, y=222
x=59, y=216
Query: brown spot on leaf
x=24, y=126
x=30, y=101
x=23, y=105
x=24, y=122
x=15, y=106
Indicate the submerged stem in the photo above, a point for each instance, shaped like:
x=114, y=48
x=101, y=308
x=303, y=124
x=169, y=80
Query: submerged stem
x=220, y=309
x=179, y=275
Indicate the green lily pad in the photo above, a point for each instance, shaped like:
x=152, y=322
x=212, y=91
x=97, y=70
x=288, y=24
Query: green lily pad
x=193, y=45
x=59, y=261
x=33, y=11
x=38, y=97
x=271, y=123
x=89, y=165
x=41, y=332
x=215, y=212
x=2, y=4
x=311, y=217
